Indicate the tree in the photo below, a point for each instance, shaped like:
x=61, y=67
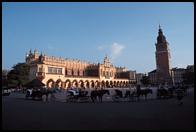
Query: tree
x=18, y=75
x=145, y=80
x=4, y=77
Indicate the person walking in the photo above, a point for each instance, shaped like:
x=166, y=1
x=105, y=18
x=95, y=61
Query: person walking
x=180, y=95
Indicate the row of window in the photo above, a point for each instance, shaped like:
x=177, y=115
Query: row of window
x=54, y=70
x=106, y=74
x=74, y=72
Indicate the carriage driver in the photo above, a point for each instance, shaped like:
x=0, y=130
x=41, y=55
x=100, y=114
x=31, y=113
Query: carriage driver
x=138, y=88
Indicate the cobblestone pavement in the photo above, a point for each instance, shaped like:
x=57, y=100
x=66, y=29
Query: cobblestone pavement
x=18, y=113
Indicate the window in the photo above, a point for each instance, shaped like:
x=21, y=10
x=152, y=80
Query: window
x=75, y=72
x=49, y=69
x=69, y=72
x=53, y=70
x=40, y=69
x=59, y=71
x=80, y=73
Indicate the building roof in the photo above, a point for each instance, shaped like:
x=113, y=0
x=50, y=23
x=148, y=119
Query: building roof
x=152, y=71
x=179, y=69
x=35, y=83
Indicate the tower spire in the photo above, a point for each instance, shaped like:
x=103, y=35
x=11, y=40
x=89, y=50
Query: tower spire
x=159, y=26
x=161, y=38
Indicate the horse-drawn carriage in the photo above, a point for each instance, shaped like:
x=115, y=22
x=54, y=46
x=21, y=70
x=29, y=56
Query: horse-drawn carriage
x=33, y=94
x=6, y=91
x=131, y=95
x=37, y=93
x=165, y=93
x=77, y=96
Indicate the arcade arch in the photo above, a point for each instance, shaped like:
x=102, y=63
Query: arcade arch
x=50, y=83
x=75, y=83
x=67, y=83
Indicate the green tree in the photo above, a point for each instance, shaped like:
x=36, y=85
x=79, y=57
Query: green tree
x=4, y=77
x=145, y=80
x=18, y=75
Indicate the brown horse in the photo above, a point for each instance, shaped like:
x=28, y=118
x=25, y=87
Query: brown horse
x=38, y=93
x=99, y=94
x=143, y=92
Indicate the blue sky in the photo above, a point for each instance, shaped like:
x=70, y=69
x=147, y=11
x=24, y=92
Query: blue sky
x=126, y=32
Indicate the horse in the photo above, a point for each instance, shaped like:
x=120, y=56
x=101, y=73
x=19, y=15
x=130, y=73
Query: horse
x=99, y=94
x=127, y=94
x=143, y=92
x=118, y=95
x=184, y=88
x=130, y=95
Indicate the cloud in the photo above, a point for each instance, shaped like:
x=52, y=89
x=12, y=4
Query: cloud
x=116, y=50
x=100, y=47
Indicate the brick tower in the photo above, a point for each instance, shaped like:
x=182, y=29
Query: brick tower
x=163, y=59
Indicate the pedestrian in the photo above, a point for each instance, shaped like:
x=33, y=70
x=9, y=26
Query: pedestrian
x=180, y=95
x=138, y=88
x=44, y=98
x=52, y=96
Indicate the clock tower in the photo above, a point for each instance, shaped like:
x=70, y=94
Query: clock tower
x=163, y=59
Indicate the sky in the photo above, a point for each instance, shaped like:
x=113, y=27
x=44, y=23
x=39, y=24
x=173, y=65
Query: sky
x=126, y=32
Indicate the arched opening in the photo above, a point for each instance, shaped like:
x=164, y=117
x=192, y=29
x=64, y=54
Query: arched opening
x=103, y=84
x=115, y=84
x=59, y=83
x=81, y=84
x=50, y=83
x=111, y=84
x=127, y=84
x=86, y=84
x=121, y=84
x=107, y=84
x=92, y=84
x=67, y=83
x=75, y=83
x=97, y=84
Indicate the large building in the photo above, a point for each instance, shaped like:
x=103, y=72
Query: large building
x=177, y=75
x=163, y=59
x=139, y=77
x=64, y=73
x=153, y=77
